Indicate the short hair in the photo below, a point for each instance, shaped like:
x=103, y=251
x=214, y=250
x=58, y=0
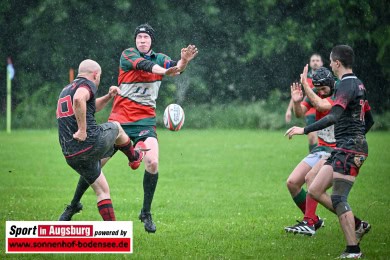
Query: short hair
x=344, y=54
x=315, y=54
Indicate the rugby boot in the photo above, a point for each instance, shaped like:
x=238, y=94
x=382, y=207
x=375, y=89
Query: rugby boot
x=362, y=230
x=70, y=211
x=319, y=224
x=302, y=228
x=146, y=218
x=141, y=149
x=347, y=255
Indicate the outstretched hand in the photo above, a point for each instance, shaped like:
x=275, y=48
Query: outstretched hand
x=188, y=53
x=296, y=92
x=295, y=130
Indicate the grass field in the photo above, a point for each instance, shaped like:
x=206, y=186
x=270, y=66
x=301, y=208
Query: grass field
x=221, y=194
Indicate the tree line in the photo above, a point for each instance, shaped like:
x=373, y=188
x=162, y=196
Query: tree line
x=247, y=49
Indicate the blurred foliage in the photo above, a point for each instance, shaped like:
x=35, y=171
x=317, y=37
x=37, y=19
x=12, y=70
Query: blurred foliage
x=248, y=49
x=262, y=114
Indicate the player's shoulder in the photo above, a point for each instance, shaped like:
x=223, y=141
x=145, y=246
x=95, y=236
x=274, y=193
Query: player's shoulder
x=130, y=51
x=83, y=82
x=160, y=55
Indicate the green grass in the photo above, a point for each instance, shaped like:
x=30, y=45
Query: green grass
x=221, y=194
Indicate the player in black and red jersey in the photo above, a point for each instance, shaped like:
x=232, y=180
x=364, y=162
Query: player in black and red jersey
x=84, y=143
x=351, y=115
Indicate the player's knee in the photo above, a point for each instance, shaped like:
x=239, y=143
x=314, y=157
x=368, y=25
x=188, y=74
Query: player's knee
x=292, y=185
x=341, y=189
x=315, y=194
x=152, y=165
x=340, y=204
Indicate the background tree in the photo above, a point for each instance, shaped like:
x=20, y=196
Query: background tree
x=248, y=49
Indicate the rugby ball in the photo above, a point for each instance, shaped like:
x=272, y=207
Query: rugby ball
x=174, y=117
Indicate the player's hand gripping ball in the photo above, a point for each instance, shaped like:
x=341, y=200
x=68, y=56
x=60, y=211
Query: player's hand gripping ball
x=174, y=117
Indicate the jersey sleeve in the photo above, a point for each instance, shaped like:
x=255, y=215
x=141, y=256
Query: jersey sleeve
x=307, y=103
x=165, y=61
x=129, y=59
x=345, y=94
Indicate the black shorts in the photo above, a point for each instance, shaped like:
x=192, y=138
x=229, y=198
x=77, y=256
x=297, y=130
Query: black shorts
x=87, y=164
x=348, y=158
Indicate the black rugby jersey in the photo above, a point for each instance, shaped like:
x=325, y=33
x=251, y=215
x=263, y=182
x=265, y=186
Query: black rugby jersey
x=67, y=124
x=352, y=97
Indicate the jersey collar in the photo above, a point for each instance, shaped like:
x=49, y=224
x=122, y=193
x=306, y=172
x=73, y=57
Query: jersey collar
x=348, y=75
x=152, y=55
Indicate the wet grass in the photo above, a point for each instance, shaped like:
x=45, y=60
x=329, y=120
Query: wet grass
x=221, y=194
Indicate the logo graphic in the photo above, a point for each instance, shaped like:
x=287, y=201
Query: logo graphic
x=359, y=160
x=143, y=132
x=65, y=237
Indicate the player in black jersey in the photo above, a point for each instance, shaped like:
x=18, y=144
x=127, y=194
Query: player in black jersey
x=84, y=143
x=352, y=117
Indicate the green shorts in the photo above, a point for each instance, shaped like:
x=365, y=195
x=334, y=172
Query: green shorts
x=140, y=132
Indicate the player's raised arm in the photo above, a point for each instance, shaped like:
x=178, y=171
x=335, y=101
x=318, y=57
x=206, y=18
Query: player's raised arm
x=296, y=97
x=320, y=104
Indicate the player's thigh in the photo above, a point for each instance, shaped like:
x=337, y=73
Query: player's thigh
x=297, y=176
x=104, y=146
x=322, y=181
x=314, y=171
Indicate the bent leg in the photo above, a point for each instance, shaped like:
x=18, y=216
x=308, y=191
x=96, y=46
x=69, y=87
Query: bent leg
x=295, y=182
x=104, y=204
x=342, y=185
x=311, y=204
x=318, y=187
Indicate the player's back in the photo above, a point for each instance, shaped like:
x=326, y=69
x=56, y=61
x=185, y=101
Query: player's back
x=351, y=95
x=67, y=123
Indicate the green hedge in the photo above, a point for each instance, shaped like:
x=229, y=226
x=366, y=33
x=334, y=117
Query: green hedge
x=39, y=112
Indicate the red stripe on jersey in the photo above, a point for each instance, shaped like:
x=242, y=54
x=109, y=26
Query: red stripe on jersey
x=127, y=111
x=134, y=76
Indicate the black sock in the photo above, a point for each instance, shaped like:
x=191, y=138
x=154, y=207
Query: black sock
x=82, y=186
x=150, y=183
x=353, y=249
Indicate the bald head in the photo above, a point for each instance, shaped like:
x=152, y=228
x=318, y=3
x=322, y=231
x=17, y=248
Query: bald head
x=89, y=66
x=91, y=70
